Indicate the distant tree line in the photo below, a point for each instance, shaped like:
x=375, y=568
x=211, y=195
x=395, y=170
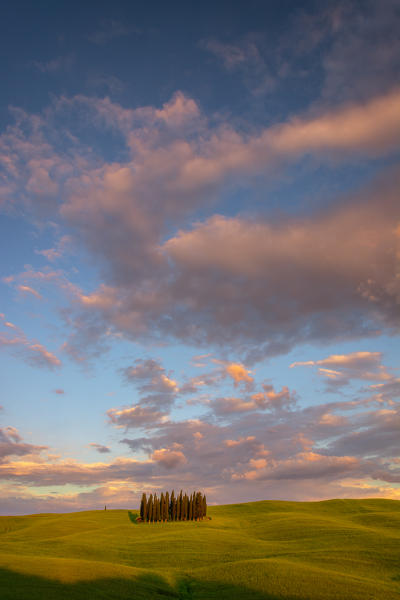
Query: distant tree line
x=173, y=508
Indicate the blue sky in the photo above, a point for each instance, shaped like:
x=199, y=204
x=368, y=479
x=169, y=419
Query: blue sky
x=200, y=231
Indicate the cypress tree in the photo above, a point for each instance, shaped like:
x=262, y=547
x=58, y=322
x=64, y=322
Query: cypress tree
x=171, y=506
x=194, y=506
x=204, y=506
x=157, y=509
x=179, y=507
x=201, y=505
x=143, y=507
x=190, y=516
x=150, y=508
x=154, y=508
x=167, y=506
x=162, y=506
x=185, y=501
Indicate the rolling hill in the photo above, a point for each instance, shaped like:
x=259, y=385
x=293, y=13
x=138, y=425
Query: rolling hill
x=337, y=549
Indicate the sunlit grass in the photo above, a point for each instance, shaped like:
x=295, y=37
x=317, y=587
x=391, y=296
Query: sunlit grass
x=340, y=549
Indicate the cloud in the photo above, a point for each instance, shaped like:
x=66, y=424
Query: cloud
x=26, y=289
x=151, y=376
x=379, y=434
x=260, y=286
x=229, y=406
x=109, y=84
x=372, y=127
x=295, y=277
x=110, y=30
x=246, y=56
x=59, y=391
x=53, y=254
x=73, y=472
x=169, y=458
x=61, y=63
x=11, y=444
x=344, y=448
x=135, y=417
x=157, y=389
x=305, y=465
x=31, y=351
x=268, y=399
x=100, y=448
x=362, y=38
x=239, y=374
x=385, y=392
x=356, y=365
x=19, y=499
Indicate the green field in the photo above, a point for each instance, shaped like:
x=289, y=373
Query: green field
x=342, y=549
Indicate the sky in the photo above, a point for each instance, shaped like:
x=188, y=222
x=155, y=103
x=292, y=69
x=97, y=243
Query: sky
x=200, y=251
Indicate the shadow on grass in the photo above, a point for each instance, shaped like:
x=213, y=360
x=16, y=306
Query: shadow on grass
x=17, y=586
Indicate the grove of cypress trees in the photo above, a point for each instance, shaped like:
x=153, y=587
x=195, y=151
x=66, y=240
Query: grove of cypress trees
x=174, y=508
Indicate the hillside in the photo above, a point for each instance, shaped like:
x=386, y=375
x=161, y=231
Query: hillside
x=338, y=549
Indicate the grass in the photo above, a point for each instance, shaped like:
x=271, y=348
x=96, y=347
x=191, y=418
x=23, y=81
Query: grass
x=334, y=550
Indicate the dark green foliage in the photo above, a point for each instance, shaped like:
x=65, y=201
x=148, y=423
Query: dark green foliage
x=150, y=508
x=143, y=507
x=173, y=508
x=155, y=508
x=190, y=507
x=162, y=507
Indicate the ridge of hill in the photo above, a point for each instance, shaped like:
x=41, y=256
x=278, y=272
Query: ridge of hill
x=334, y=550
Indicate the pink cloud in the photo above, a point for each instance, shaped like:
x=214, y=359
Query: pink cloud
x=225, y=280
x=26, y=289
x=239, y=374
x=135, y=416
x=169, y=458
x=100, y=448
x=356, y=365
x=31, y=351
